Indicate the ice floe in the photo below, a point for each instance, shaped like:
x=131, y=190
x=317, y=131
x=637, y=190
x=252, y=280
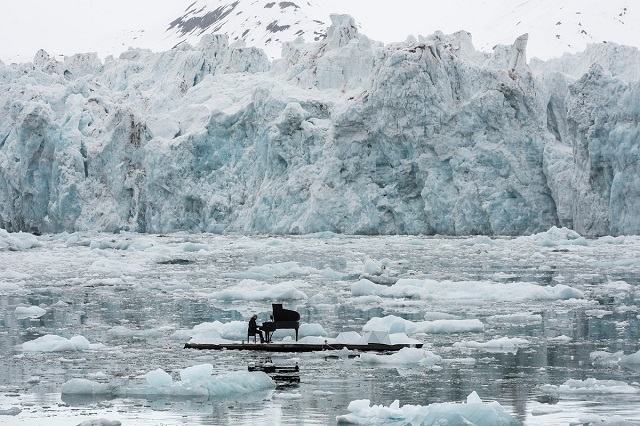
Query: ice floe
x=608, y=359
x=23, y=312
x=285, y=269
x=53, y=343
x=557, y=237
x=466, y=291
x=17, y=241
x=250, y=290
x=515, y=318
x=196, y=381
x=100, y=422
x=405, y=356
x=13, y=411
x=501, y=344
x=590, y=386
x=394, y=324
x=472, y=412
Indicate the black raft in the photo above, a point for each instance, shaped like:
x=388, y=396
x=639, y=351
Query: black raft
x=298, y=347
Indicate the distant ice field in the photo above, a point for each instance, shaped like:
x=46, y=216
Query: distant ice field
x=546, y=325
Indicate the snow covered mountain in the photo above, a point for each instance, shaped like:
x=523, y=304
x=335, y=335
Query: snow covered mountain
x=263, y=23
x=66, y=27
x=344, y=134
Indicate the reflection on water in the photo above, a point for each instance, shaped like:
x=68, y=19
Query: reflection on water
x=161, y=298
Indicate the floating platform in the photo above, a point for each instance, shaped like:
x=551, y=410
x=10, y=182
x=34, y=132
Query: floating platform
x=298, y=347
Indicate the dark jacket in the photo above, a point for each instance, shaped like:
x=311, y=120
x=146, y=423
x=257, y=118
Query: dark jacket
x=253, y=327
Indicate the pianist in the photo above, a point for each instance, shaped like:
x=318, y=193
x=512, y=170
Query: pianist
x=254, y=329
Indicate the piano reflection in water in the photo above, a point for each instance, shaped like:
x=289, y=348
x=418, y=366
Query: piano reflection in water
x=281, y=319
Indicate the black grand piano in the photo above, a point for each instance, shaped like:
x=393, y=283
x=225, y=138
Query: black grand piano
x=283, y=319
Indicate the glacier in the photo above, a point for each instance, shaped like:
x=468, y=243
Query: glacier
x=346, y=134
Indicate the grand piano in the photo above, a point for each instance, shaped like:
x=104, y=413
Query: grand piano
x=283, y=319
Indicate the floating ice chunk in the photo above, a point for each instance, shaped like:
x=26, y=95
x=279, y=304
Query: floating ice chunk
x=378, y=337
x=13, y=411
x=405, y=356
x=85, y=387
x=611, y=240
x=195, y=381
x=217, y=332
x=271, y=271
x=560, y=339
x=53, y=343
x=432, y=316
x=516, y=318
x=556, y=237
x=475, y=292
x=190, y=247
x=590, y=386
x=251, y=290
x=23, y=312
x=473, y=412
x=158, y=378
x=305, y=330
x=121, y=331
x=598, y=313
x=203, y=386
x=33, y=379
x=402, y=339
x=394, y=324
x=608, y=359
x=543, y=410
x=286, y=395
x=372, y=267
x=197, y=373
x=501, y=344
x=17, y=241
x=100, y=422
x=349, y=337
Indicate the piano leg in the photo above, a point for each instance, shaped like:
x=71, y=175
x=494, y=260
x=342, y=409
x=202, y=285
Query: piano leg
x=296, y=334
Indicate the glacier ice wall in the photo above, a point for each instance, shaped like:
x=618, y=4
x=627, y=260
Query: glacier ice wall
x=345, y=135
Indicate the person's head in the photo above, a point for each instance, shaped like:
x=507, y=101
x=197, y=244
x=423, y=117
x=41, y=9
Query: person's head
x=254, y=316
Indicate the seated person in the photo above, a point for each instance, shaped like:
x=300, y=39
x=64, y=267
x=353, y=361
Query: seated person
x=254, y=329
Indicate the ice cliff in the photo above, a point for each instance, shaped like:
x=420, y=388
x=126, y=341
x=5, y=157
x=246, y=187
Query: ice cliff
x=345, y=135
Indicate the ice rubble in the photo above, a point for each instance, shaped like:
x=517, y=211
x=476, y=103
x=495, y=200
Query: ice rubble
x=53, y=343
x=473, y=412
x=196, y=381
x=343, y=135
x=590, y=386
x=465, y=291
